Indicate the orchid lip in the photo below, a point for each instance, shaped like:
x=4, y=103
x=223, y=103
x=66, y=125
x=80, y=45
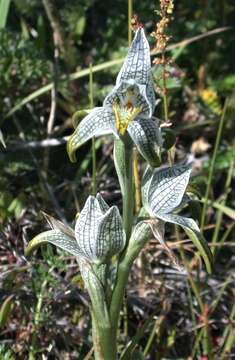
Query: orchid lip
x=124, y=115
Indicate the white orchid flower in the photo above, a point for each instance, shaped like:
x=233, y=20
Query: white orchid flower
x=98, y=233
x=163, y=192
x=128, y=108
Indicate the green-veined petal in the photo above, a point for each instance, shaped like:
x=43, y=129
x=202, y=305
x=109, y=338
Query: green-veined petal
x=100, y=235
x=146, y=135
x=167, y=188
x=57, y=238
x=86, y=227
x=146, y=181
x=103, y=205
x=193, y=231
x=137, y=64
x=111, y=236
x=98, y=122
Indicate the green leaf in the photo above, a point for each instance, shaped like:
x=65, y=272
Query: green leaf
x=17, y=206
x=4, y=10
x=5, y=310
x=141, y=234
x=126, y=354
x=77, y=75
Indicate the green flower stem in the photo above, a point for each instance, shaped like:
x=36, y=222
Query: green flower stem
x=32, y=352
x=123, y=160
x=135, y=246
x=104, y=341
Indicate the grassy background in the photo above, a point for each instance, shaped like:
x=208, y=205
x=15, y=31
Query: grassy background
x=43, y=312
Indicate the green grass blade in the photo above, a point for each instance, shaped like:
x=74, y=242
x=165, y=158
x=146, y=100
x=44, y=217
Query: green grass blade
x=126, y=354
x=211, y=170
x=219, y=215
x=223, y=208
x=74, y=76
x=4, y=10
x=5, y=310
x=203, y=248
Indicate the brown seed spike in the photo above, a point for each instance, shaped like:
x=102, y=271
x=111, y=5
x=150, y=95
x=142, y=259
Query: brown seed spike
x=135, y=23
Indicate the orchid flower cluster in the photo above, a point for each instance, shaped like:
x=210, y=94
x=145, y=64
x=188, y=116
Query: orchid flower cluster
x=105, y=243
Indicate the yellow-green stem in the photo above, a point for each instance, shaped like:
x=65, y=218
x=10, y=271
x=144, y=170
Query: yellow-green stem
x=217, y=141
x=130, y=11
x=37, y=321
x=123, y=160
x=104, y=341
x=124, y=267
x=165, y=106
x=219, y=215
x=137, y=182
x=94, y=185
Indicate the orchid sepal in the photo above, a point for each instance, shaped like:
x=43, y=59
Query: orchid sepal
x=163, y=192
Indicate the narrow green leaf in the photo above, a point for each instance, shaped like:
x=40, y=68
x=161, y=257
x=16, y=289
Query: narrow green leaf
x=201, y=244
x=223, y=208
x=5, y=310
x=77, y=75
x=4, y=10
x=85, y=72
x=126, y=354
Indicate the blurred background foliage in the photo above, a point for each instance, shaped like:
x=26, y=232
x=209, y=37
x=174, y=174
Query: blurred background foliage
x=43, y=42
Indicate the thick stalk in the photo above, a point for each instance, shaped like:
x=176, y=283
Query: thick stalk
x=137, y=242
x=128, y=196
x=104, y=340
x=123, y=159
